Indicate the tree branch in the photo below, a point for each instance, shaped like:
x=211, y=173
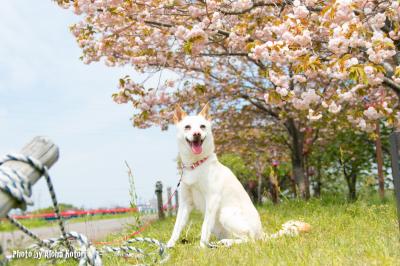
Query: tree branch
x=264, y=4
x=223, y=54
x=393, y=85
x=261, y=107
x=241, y=12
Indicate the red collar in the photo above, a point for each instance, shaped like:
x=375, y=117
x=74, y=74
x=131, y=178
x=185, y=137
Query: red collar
x=196, y=164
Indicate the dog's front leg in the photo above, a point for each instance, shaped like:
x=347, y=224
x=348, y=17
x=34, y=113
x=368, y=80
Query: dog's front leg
x=185, y=207
x=209, y=220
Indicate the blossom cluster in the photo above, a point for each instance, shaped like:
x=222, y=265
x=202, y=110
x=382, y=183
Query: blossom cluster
x=308, y=59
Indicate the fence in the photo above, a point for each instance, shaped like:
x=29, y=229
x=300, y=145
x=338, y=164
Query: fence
x=17, y=175
x=161, y=207
x=40, y=148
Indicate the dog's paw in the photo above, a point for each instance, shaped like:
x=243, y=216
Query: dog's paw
x=226, y=242
x=170, y=244
x=212, y=245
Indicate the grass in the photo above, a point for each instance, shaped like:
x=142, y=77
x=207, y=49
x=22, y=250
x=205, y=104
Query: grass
x=6, y=226
x=361, y=233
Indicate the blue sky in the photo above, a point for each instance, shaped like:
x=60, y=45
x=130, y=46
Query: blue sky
x=46, y=90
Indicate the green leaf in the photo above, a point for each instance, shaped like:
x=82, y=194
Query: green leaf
x=187, y=47
x=274, y=97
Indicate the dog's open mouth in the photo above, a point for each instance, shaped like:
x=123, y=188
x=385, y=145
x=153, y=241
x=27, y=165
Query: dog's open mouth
x=196, y=145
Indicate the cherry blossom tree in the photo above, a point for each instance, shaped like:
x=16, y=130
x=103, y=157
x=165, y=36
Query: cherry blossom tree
x=300, y=63
x=258, y=141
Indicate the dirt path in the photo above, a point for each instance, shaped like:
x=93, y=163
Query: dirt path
x=94, y=230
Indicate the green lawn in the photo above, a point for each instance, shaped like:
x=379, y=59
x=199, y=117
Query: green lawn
x=361, y=233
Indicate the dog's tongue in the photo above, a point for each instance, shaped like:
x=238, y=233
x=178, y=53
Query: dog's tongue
x=196, y=148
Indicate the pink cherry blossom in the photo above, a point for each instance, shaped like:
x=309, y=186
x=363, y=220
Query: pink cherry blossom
x=316, y=59
x=371, y=113
x=334, y=109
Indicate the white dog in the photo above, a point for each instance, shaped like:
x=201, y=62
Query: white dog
x=212, y=188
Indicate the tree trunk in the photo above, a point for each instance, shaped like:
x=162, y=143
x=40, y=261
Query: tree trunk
x=307, y=177
x=318, y=181
x=259, y=188
x=274, y=193
x=297, y=157
x=293, y=185
x=379, y=161
x=251, y=188
x=259, y=165
x=274, y=187
x=351, y=184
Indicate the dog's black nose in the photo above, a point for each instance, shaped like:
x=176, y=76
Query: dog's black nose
x=197, y=134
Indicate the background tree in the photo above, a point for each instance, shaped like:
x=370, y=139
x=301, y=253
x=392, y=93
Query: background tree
x=355, y=154
x=243, y=172
x=297, y=62
x=258, y=141
x=347, y=153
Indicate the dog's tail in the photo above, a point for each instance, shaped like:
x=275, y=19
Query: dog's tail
x=290, y=228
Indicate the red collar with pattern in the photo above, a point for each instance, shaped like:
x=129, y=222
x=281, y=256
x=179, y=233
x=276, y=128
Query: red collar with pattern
x=196, y=164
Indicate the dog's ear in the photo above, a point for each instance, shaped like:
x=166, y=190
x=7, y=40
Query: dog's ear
x=179, y=114
x=205, y=112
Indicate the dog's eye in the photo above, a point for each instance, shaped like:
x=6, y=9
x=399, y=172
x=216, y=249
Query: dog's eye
x=187, y=127
x=203, y=126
